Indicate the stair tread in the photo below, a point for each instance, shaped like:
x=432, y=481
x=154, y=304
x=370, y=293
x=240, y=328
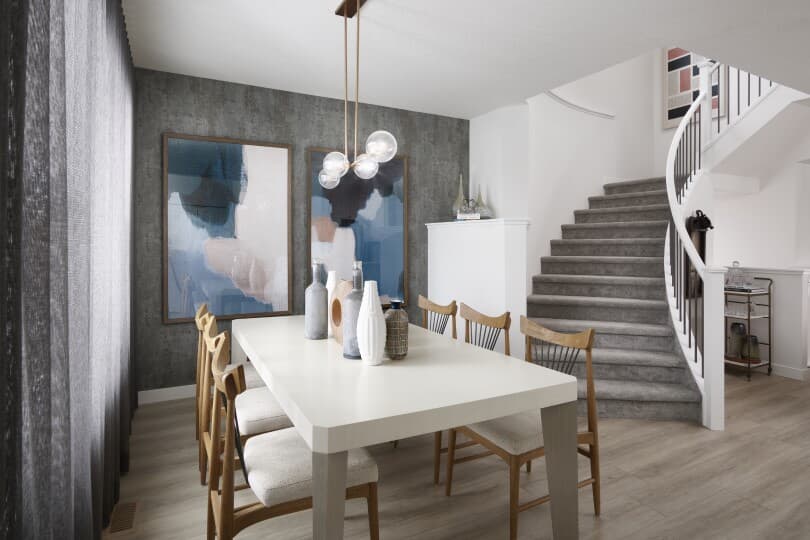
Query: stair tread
x=609, y=389
x=610, y=259
x=636, y=357
x=629, y=195
x=608, y=241
x=605, y=327
x=636, y=182
x=639, y=208
x=603, y=280
x=603, y=301
x=618, y=224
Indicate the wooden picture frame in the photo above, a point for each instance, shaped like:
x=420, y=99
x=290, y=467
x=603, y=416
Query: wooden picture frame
x=287, y=206
x=312, y=171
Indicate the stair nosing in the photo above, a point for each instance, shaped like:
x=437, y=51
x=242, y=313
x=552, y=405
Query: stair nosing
x=636, y=208
x=587, y=278
x=600, y=301
x=620, y=224
x=639, y=181
x=607, y=259
x=635, y=391
x=633, y=357
x=614, y=241
x=628, y=195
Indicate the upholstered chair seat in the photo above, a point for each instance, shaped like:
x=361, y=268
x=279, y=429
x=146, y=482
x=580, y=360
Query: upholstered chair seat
x=257, y=411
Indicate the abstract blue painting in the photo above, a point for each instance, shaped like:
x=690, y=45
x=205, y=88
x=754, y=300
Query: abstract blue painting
x=362, y=220
x=226, y=227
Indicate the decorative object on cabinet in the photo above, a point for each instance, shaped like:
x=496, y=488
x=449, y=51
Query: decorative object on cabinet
x=381, y=146
x=468, y=211
x=481, y=207
x=343, y=288
x=331, y=283
x=371, y=326
x=350, y=311
x=459, y=202
x=221, y=197
x=362, y=220
x=316, y=306
x=396, y=331
x=745, y=302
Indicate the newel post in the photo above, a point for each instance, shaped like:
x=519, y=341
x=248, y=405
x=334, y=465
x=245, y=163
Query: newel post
x=714, y=410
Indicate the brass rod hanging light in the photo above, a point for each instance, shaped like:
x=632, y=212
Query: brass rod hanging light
x=381, y=146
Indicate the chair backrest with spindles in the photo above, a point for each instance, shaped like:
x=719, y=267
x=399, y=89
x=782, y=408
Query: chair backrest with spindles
x=484, y=330
x=436, y=316
x=560, y=352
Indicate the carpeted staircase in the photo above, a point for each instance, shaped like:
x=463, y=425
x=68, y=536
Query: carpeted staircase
x=607, y=273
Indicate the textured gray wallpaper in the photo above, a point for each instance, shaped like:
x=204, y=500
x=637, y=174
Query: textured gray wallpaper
x=437, y=148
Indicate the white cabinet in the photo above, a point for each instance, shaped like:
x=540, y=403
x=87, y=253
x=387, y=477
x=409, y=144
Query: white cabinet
x=483, y=264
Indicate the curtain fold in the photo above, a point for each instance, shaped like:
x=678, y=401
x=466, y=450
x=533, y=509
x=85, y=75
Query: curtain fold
x=66, y=397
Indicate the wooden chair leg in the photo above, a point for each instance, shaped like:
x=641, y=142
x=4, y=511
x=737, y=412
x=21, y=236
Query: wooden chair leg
x=203, y=461
x=514, y=496
x=211, y=531
x=437, y=456
x=373, y=515
x=529, y=466
x=451, y=458
x=596, y=486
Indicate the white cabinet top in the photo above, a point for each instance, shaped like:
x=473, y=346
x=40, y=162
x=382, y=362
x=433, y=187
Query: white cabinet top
x=337, y=404
x=480, y=223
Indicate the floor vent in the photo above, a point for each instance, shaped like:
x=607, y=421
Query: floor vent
x=123, y=517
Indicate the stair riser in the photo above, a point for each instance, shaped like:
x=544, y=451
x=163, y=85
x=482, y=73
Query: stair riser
x=620, y=215
x=648, y=231
x=610, y=250
x=606, y=291
x=652, y=185
x=651, y=269
x=625, y=341
x=598, y=313
x=653, y=410
x=639, y=200
x=632, y=373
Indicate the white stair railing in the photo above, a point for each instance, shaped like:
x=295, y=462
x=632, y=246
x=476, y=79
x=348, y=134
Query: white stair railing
x=695, y=290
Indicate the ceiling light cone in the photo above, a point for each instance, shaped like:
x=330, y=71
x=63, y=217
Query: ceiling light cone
x=381, y=146
x=366, y=167
x=328, y=181
x=335, y=164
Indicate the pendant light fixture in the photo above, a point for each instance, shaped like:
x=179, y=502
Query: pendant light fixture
x=381, y=146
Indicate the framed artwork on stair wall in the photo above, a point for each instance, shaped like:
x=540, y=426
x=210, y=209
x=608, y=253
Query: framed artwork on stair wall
x=681, y=85
x=363, y=220
x=226, y=227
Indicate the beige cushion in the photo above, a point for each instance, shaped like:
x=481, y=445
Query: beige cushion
x=257, y=411
x=279, y=467
x=516, y=434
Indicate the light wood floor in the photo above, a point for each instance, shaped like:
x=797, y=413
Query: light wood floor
x=660, y=479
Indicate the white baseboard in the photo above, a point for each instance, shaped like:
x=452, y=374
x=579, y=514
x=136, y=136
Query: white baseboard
x=800, y=374
x=166, y=394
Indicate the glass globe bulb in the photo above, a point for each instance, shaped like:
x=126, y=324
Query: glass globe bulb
x=366, y=167
x=381, y=146
x=335, y=164
x=328, y=181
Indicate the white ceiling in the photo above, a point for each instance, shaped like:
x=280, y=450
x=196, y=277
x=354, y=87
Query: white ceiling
x=458, y=58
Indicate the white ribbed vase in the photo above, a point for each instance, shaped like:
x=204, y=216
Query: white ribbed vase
x=371, y=326
x=331, y=283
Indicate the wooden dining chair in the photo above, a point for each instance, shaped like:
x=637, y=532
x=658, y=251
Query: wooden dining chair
x=258, y=410
x=200, y=318
x=518, y=439
x=277, y=465
x=435, y=318
x=484, y=330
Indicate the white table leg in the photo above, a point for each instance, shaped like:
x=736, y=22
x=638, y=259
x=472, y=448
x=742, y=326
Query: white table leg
x=560, y=441
x=328, y=495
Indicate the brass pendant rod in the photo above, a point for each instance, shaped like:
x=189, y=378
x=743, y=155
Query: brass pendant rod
x=346, y=80
x=357, y=81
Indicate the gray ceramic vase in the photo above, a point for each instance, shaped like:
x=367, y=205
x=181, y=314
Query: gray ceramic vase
x=316, y=320
x=350, y=312
x=396, y=331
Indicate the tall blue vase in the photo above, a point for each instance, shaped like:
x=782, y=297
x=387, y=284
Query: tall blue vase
x=350, y=313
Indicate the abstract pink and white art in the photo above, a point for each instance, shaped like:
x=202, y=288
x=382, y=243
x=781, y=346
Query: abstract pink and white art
x=682, y=85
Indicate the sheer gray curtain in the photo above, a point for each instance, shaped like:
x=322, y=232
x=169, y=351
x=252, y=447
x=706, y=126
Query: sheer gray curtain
x=66, y=396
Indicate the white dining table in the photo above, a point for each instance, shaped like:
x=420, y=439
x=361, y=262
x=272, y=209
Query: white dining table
x=337, y=404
